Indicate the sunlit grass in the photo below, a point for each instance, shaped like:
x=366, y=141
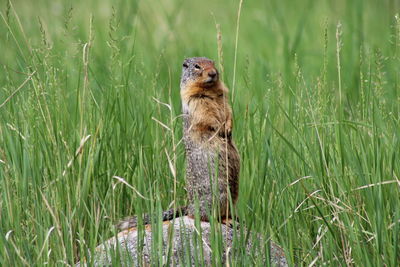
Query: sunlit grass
x=90, y=92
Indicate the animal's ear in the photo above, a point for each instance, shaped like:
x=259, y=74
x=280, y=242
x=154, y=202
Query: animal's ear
x=185, y=63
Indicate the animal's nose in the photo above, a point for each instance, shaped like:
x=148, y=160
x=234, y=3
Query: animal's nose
x=212, y=73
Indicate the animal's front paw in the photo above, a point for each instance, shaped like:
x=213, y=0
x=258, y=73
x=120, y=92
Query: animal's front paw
x=230, y=223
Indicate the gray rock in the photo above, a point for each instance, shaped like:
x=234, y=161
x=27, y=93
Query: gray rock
x=180, y=243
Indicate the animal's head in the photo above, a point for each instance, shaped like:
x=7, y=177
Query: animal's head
x=200, y=71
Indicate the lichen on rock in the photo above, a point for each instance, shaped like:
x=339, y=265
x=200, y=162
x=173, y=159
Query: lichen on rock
x=181, y=243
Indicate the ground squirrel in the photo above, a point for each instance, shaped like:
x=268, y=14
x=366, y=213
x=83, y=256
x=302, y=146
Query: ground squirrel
x=210, y=151
x=212, y=160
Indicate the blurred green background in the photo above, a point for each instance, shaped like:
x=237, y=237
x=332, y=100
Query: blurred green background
x=316, y=111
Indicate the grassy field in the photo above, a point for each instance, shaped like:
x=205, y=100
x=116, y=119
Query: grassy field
x=315, y=90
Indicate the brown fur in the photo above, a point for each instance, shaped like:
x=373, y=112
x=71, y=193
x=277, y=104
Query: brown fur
x=208, y=141
x=209, y=146
x=209, y=108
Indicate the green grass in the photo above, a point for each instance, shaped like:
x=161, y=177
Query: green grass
x=316, y=113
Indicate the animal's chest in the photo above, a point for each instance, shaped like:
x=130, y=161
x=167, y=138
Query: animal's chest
x=204, y=109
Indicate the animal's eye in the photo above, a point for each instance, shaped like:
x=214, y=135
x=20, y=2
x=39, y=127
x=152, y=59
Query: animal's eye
x=197, y=66
x=185, y=65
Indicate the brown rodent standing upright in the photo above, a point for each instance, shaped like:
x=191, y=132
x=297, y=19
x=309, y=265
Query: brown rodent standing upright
x=212, y=160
